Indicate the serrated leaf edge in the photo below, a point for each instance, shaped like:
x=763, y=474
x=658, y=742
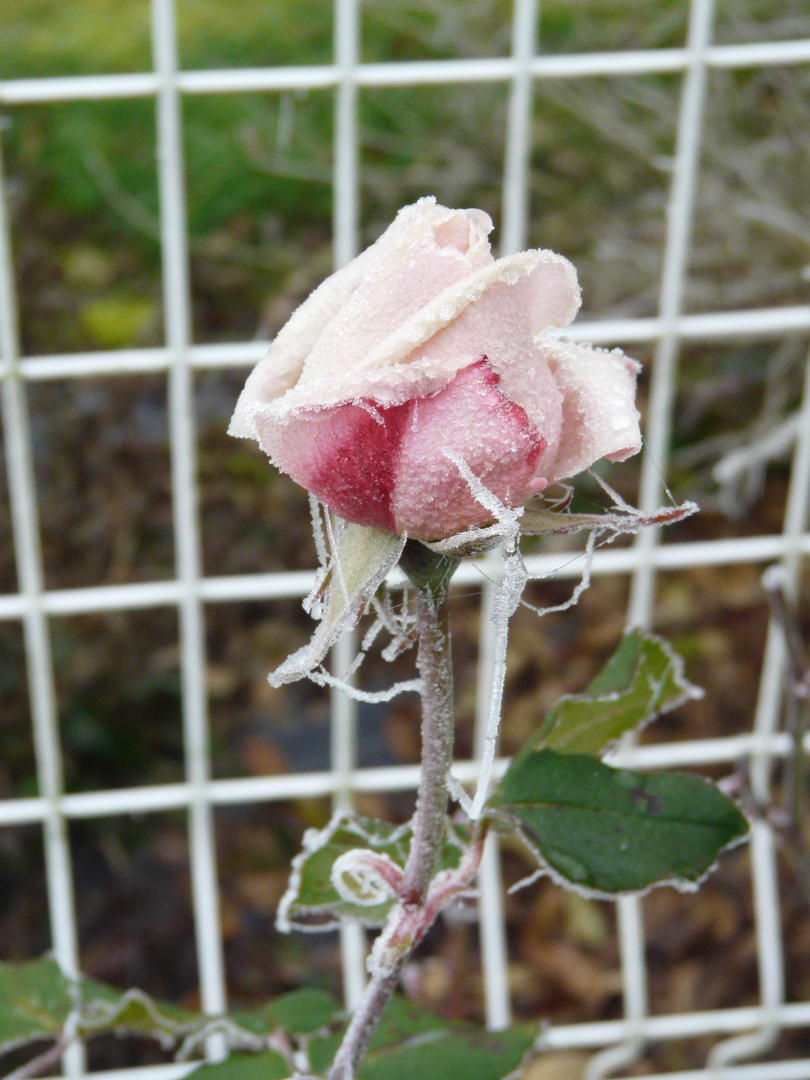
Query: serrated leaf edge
x=503, y=820
x=689, y=692
x=313, y=840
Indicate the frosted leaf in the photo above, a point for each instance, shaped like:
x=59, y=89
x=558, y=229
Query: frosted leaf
x=555, y=518
x=353, y=869
x=366, y=878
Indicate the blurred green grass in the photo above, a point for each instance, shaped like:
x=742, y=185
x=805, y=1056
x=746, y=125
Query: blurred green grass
x=85, y=188
x=258, y=166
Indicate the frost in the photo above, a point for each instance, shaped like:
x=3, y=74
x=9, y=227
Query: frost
x=355, y=562
x=315, y=512
x=366, y=878
x=505, y=603
x=507, y=519
x=323, y=678
x=579, y=588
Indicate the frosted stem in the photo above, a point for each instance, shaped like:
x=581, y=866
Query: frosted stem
x=376, y=996
x=436, y=673
x=435, y=668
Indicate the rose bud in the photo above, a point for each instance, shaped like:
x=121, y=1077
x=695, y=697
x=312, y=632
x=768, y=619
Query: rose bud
x=425, y=346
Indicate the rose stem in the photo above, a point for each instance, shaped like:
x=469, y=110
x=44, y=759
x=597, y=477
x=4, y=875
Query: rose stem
x=431, y=576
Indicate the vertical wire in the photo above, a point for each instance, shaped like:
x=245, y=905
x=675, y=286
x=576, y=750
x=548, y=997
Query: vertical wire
x=518, y=129
x=343, y=710
x=345, y=196
x=659, y=422
x=764, y=868
x=491, y=916
x=345, y=233
x=176, y=300
x=39, y=657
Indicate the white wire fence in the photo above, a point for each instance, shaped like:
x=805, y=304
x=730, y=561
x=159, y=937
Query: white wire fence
x=742, y=1037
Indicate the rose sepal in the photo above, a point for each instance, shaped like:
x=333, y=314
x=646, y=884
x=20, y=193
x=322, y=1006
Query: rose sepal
x=359, y=560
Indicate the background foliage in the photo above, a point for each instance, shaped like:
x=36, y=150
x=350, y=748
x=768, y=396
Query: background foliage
x=84, y=205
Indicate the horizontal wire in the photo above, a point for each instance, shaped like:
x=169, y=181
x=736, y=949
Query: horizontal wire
x=235, y=588
x=254, y=789
x=605, y=1032
x=730, y=326
x=404, y=73
x=727, y=326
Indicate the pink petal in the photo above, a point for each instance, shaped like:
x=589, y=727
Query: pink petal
x=599, y=417
x=281, y=366
x=415, y=360
x=425, y=249
x=387, y=467
x=346, y=455
x=497, y=326
x=473, y=418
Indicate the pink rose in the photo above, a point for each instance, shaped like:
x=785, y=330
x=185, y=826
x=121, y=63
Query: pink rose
x=424, y=345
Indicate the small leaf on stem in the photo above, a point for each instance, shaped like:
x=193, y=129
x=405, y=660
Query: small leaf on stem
x=643, y=678
x=300, y=1012
x=472, y=1054
x=545, y=521
x=266, y=1066
x=35, y=1001
x=312, y=901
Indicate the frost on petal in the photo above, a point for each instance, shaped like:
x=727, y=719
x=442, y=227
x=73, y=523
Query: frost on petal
x=281, y=366
x=599, y=417
x=497, y=326
x=494, y=437
x=425, y=249
x=412, y=359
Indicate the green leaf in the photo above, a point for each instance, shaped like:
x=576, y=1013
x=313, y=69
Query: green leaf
x=35, y=1001
x=361, y=560
x=643, y=678
x=402, y=1021
x=298, y=1013
x=132, y=1011
x=612, y=830
x=313, y=902
x=266, y=1066
x=472, y=1054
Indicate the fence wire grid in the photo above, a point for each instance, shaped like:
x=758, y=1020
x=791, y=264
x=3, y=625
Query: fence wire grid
x=763, y=1039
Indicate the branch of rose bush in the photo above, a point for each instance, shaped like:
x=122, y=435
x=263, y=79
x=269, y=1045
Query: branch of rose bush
x=413, y=916
x=42, y=1062
x=409, y=920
